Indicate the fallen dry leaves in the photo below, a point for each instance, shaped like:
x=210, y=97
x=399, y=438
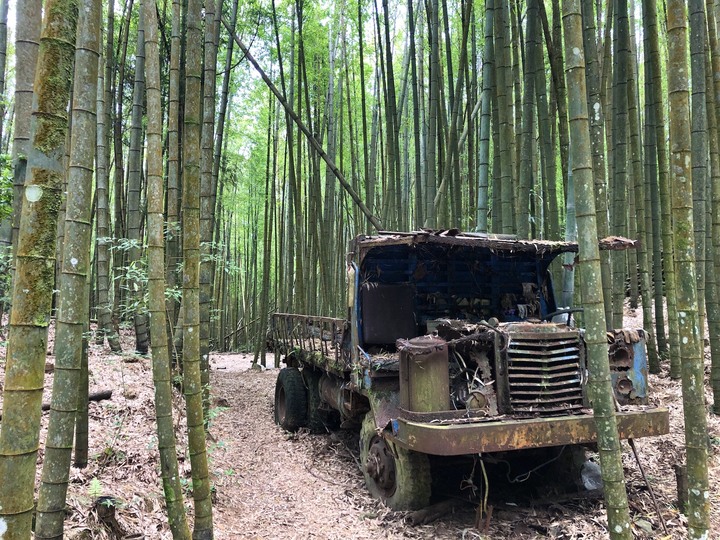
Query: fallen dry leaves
x=271, y=484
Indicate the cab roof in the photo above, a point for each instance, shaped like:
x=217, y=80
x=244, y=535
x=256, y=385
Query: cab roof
x=501, y=244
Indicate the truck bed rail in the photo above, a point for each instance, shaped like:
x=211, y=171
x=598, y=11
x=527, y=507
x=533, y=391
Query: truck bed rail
x=317, y=339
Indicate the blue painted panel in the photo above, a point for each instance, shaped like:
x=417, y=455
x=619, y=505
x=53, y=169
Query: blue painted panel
x=637, y=374
x=639, y=371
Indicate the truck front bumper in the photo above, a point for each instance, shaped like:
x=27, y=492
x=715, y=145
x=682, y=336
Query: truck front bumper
x=517, y=434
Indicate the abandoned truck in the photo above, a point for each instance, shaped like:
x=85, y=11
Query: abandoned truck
x=450, y=348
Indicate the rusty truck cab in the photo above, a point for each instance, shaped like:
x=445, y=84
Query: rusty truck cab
x=456, y=351
x=450, y=348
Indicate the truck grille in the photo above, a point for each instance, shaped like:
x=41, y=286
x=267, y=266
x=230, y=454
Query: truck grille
x=545, y=372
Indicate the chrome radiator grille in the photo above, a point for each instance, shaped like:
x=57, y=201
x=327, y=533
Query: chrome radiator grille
x=545, y=372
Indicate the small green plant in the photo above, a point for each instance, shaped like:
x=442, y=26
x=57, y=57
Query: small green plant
x=5, y=265
x=95, y=488
x=126, y=244
x=172, y=230
x=212, y=413
x=220, y=445
x=152, y=442
x=187, y=485
x=173, y=293
x=109, y=501
x=111, y=455
x=6, y=186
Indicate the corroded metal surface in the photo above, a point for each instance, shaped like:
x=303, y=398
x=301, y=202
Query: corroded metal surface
x=628, y=366
x=322, y=341
x=424, y=376
x=505, y=380
x=381, y=466
x=545, y=369
x=496, y=242
x=453, y=440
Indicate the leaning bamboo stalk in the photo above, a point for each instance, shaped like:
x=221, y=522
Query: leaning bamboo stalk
x=311, y=139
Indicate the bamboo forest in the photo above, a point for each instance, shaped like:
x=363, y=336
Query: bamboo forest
x=359, y=269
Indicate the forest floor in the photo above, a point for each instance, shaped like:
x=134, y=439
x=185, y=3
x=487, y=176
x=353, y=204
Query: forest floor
x=271, y=484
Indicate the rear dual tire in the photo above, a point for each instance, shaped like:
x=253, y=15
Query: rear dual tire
x=298, y=402
x=291, y=401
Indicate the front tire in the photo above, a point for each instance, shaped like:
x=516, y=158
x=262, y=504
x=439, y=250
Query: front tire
x=290, y=400
x=399, y=477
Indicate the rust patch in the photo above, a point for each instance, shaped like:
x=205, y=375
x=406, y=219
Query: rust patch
x=497, y=436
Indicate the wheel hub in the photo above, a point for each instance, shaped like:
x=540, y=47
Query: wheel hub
x=381, y=466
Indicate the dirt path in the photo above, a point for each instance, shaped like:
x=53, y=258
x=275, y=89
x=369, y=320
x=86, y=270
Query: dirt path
x=279, y=485
x=309, y=486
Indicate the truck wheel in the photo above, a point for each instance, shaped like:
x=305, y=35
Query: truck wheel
x=319, y=420
x=399, y=477
x=290, y=400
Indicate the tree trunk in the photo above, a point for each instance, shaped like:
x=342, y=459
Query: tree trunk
x=547, y=152
x=260, y=339
x=173, y=167
x=597, y=137
x=634, y=159
x=82, y=418
x=287, y=266
x=102, y=249
x=219, y=156
x=27, y=341
x=6, y=252
x=451, y=148
x=502, y=51
x=528, y=120
x=156, y=285
x=431, y=140
x=669, y=273
x=638, y=217
x=653, y=209
x=3, y=60
x=599, y=386
x=486, y=100
x=119, y=176
x=191, y=274
x=699, y=144
x=696, y=445
x=207, y=204
x=419, y=191
x=560, y=88
x=393, y=129
x=134, y=182
x=28, y=20
x=619, y=152
x=714, y=122
x=72, y=314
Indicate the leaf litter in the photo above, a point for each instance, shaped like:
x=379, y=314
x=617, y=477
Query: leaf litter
x=271, y=484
